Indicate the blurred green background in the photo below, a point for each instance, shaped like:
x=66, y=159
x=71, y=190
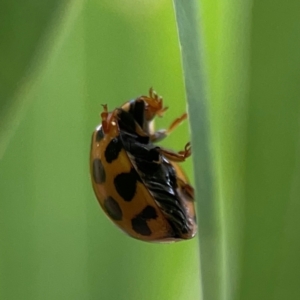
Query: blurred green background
x=61, y=60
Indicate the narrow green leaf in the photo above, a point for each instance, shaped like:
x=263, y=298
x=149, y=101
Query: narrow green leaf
x=252, y=62
x=188, y=28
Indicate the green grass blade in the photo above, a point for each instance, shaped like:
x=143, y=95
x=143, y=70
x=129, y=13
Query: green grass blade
x=188, y=28
x=252, y=58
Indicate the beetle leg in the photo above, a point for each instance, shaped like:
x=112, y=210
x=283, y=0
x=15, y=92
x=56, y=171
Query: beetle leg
x=154, y=97
x=177, y=122
x=161, y=134
x=107, y=118
x=177, y=156
x=104, y=116
x=152, y=93
x=187, y=188
x=154, y=105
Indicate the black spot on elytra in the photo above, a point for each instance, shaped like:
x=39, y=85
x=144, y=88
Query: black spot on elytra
x=98, y=171
x=99, y=135
x=113, y=209
x=148, y=213
x=140, y=226
x=139, y=223
x=125, y=184
x=113, y=149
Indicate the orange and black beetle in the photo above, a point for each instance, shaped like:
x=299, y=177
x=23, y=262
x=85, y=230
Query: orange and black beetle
x=139, y=185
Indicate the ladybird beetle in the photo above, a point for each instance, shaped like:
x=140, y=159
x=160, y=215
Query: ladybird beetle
x=139, y=185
